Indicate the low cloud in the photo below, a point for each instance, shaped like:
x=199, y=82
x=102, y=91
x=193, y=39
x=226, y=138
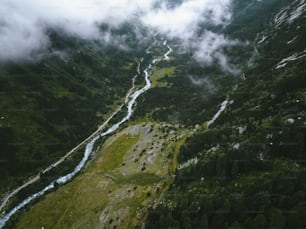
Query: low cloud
x=183, y=21
x=24, y=24
x=209, y=48
x=204, y=83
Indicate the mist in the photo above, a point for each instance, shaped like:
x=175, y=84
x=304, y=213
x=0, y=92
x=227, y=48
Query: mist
x=24, y=24
x=203, y=82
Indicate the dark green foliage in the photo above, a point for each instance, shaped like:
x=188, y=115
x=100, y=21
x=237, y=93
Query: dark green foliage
x=251, y=169
x=50, y=104
x=184, y=102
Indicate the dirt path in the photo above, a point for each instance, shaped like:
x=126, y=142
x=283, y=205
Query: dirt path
x=75, y=149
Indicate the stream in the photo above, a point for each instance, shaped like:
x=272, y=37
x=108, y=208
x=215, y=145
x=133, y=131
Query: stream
x=219, y=112
x=89, y=147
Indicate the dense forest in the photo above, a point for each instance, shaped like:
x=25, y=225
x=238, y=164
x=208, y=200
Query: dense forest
x=242, y=168
x=51, y=104
x=250, y=164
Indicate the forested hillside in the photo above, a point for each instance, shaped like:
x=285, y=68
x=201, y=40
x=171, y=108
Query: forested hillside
x=51, y=103
x=248, y=168
x=206, y=103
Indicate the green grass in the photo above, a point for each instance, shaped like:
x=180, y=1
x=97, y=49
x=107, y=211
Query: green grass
x=159, y=74
x=49, y=105
x=114, y=153
x=139, y=179
x=113, y=184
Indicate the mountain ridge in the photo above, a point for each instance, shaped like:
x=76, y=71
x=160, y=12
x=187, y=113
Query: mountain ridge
x=244, y=169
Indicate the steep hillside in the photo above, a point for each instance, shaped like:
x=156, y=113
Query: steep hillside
x=118, y=182
x=51, y=103
x=213, y=137
x=248, y=169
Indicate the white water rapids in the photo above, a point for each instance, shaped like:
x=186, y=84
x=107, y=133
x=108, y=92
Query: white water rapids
x=219, y=112
x=166, y=56
x=89, y=147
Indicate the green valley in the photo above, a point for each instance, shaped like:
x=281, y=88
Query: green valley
x=203, y=105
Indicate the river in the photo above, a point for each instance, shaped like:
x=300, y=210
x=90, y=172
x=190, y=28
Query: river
x=89, y=147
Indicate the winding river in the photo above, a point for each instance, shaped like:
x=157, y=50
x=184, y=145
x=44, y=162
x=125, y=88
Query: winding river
x=89, y=147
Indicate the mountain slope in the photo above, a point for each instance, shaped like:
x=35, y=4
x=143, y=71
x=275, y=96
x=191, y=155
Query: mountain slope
x=243, y=164
x=248, y=169
x=52, y=103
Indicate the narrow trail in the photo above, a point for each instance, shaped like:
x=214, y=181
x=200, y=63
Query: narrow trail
x=130, y=101
x=72, y=151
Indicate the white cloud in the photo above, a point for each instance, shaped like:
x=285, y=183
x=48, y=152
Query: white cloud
x=203, y=82
x=183, y=21
x=23, y=24
x=209, y=48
